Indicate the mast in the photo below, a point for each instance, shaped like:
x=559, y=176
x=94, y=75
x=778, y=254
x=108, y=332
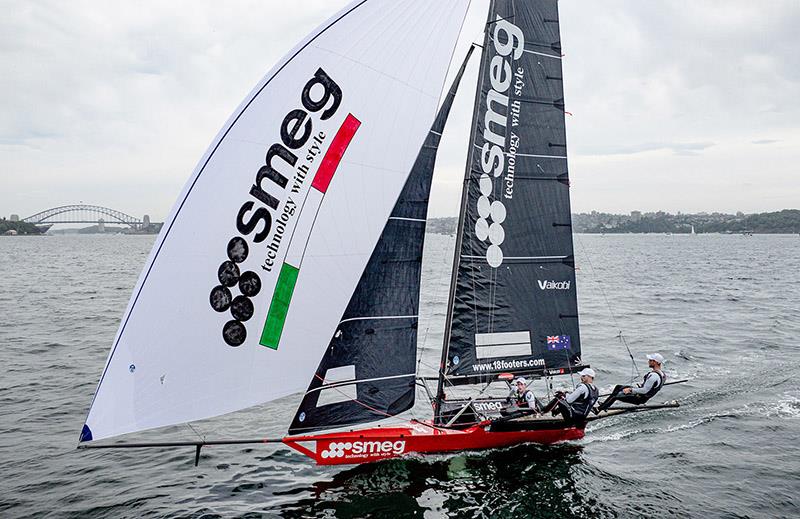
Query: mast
x=440, y=396
x=512, y=305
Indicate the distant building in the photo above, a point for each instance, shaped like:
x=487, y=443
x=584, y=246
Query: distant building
x=14, y=218
x=146, y=220
x=636, y=216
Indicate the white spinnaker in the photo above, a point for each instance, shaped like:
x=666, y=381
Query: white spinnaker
x=169, y=363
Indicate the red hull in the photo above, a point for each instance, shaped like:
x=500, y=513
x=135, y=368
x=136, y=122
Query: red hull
x=381, y=443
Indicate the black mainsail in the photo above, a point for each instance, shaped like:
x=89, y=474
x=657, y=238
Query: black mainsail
x=513, y=305
x=368, y=371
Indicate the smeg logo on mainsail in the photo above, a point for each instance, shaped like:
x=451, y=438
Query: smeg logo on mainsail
x=320, y=94
x=507, y=38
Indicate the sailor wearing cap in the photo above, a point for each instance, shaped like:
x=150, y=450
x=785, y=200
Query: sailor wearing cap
x=652, y=383
x=575, y=406
x=523, y=396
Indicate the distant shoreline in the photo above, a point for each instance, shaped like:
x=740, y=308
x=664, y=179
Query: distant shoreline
x=786, y=221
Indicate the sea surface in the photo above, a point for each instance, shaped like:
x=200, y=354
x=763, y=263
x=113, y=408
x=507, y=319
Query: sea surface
x=723, y=310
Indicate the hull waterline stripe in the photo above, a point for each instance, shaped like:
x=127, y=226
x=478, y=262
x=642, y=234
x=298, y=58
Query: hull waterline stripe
x=279, y=307
x=335, y=152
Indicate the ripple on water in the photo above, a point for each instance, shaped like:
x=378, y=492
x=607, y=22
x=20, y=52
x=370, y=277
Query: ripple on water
x=726, y=452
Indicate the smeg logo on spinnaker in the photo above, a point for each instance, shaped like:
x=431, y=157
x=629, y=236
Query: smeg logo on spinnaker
x=269, y=188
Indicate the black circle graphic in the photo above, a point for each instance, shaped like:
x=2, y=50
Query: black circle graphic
x=220, y=298
x=238, y=249
x=228, y=273
x=242, y=308
x=234, y=333
x=249, y=283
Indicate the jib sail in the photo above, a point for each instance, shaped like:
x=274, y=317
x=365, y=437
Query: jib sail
x=368, y=371
x=513, y=304
x=258, y=260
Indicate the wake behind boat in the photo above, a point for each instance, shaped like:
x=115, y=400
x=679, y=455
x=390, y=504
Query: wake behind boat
x=312, y=204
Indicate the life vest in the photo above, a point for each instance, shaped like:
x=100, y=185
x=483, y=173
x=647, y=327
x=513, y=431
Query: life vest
x=655, y=388
x=582, y=406
x=522, y=400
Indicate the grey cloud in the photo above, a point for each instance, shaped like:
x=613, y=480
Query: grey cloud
x=678, y=148
x=115, y=103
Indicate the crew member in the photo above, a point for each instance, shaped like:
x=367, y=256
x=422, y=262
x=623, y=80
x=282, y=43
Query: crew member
x=652, y=383
x=522, y=396
x=575, y=406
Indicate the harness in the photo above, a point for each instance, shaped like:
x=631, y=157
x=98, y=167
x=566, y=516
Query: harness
x=657, y=387
x=522, y=399
x=584, y=404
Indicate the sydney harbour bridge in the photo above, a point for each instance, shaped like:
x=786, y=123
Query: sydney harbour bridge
x=92, y=214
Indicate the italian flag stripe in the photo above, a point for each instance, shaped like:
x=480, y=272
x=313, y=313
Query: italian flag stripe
x=279, y=307
x=335, y=152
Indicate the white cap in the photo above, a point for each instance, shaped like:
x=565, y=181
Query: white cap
x=589, y=372
x=522, y=380
x=656, y=357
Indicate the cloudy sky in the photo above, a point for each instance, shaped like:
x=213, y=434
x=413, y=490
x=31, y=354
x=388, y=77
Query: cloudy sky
x=678, y=105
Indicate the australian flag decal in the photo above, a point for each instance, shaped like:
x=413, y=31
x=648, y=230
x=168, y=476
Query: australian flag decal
x=558, y=342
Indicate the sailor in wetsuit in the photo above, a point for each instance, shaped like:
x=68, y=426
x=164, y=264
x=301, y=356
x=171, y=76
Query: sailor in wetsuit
x=575, y=406
x=652, y=383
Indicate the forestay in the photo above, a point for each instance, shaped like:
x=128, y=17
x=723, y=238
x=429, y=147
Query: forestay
x=369, y=369
x=258, y=260
x=513, y=305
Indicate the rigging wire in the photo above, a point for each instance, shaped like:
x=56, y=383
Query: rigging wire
x=620, y=335
x=201, y=436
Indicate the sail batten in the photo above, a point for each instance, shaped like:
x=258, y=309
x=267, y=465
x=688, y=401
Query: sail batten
x=513, y=304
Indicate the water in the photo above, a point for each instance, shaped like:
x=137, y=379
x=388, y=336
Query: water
x=722, y=309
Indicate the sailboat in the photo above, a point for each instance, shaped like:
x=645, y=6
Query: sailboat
x=291, y=261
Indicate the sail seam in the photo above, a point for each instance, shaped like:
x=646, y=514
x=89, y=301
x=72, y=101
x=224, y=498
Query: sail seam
x=518, y=257
x=341, y=383
x=364, y=318
x=541, y=54
x=528, y=155
x=407, y=219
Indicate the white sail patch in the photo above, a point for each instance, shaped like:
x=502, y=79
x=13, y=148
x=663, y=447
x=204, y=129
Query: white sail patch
x=502, y=344
x=338, y=393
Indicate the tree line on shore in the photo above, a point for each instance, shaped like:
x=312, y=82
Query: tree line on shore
x=786, y=221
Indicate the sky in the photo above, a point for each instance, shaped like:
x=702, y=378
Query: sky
x=678, y=105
